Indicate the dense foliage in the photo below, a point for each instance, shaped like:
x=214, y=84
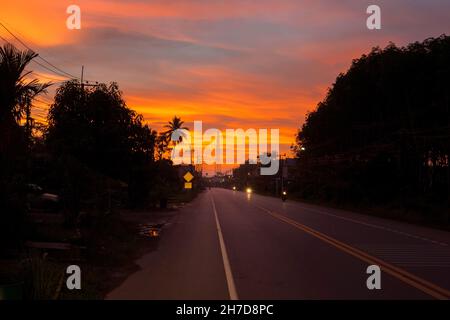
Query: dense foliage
x=95, y=154
x=96, y=127
x=382, y=132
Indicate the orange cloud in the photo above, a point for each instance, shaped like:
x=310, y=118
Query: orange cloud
x=231, y=64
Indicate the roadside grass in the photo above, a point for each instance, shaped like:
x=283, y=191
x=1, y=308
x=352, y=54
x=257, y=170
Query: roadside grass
x=113, y=246
x=108, y=249
x=183, y=196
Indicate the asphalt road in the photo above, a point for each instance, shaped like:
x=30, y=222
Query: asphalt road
x=230, y=245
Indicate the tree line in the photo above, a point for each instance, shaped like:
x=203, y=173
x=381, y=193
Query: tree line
x=94, y=151
x=381, y=134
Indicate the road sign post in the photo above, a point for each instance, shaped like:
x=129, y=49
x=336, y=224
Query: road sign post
x=188, y=177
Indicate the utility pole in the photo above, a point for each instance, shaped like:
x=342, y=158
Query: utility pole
x=82, y=73
x=28, y=118
x=281, y=176
x=282, y=171
x=87, y=84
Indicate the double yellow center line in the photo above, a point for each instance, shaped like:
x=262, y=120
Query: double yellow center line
x=408, y=278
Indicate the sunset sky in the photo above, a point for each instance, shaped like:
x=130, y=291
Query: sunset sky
x=231, y=64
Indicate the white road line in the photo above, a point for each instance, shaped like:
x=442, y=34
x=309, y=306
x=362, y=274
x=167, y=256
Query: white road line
x=226, y=263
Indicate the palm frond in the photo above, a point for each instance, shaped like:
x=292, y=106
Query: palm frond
x=15, y=90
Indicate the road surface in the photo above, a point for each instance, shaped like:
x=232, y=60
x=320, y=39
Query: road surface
x=231, y=245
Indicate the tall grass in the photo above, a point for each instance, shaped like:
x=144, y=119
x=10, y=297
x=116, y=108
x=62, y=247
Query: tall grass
x=43, y=278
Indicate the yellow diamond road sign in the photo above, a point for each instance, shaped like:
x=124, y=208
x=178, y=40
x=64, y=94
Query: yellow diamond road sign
x=188, y=176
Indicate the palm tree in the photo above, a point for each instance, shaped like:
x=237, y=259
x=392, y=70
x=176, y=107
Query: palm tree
x=16, y=93
x=175, y=124
x=165, y=142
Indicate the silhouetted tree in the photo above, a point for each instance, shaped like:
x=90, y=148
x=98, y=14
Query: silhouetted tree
x=16, y=95
x=164, y=141
x=96, y=127
x=175, y=124
x=383, y=128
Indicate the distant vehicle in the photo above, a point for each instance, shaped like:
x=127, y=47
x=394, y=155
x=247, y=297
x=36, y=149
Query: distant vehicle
x=249, y=190
x=234, y=188
x=39, y=200
x=284, y=195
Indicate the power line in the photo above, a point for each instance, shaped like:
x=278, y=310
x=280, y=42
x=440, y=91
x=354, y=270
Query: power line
x=5, y=40
x=36, y=109
x=38, y=116
x=43, y=59
x=48, y=69
x=41, y=121
x=58, y=71
x=38, y=100
x=45, y=77
x=33, y=44
x=38, y=63
x=40, y=108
